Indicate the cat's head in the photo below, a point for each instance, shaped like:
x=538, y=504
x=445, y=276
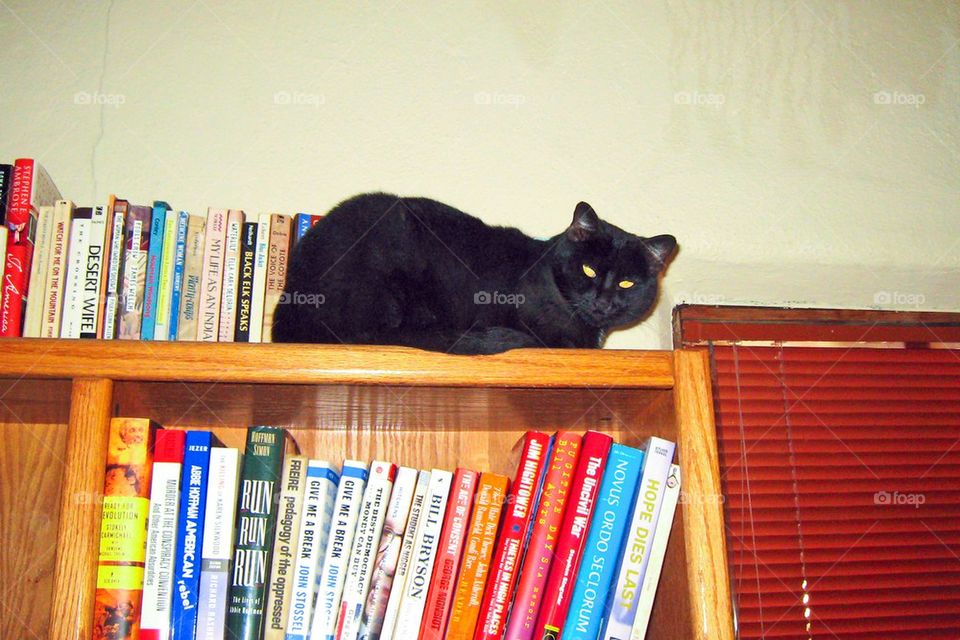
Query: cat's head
x=607, y=275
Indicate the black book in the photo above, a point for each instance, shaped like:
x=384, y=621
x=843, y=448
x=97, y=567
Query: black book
x=248, y=247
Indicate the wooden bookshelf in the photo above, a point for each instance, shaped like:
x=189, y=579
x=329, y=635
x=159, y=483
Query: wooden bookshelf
x=413, y=407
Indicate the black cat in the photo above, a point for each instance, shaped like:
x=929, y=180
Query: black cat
x=381, y=269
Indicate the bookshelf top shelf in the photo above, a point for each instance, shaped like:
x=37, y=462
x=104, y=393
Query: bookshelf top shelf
x=331, y=364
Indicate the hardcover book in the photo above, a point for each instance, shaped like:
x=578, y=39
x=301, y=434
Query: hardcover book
x=318, y=505
x=123, y=529
x=276, y=277
x=93, y=269
x=248, y=247
x=543, y=539
x=4, y=236
x=161, y=536
x=481, y=538
x=573, y=534
x=231, y=275
x=373, y=511
x=449, y=554
x=33, y=318
x=346, y=511
x=218, y=541
x=289, y=513
x=111, y=303
x=192, y=279
x=158, y=225
x=6, y=180
x=211, y=286
x=388, y=553
x=516, y=521
x=161, y=330
x=604, y=543
x=256, y=524
x=657, y=459
x=179, y=264
x=137, y=246
x=76, y=258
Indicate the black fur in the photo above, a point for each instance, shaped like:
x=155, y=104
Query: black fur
x=381, y=269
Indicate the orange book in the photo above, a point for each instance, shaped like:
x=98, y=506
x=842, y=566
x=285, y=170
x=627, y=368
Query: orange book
x=478, y=551
x=123, y=529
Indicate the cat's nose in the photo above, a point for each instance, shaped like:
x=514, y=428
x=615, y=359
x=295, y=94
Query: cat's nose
x=604, y=306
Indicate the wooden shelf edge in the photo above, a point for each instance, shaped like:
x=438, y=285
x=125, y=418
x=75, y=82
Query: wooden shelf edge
x=331, y=364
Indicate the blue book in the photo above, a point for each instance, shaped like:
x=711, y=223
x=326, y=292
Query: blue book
x=193, y=504
x=179, y=259
x=301, y=226
x=157, y=222
x=602, y=550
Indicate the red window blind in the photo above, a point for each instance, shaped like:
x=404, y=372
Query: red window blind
x=841, y=474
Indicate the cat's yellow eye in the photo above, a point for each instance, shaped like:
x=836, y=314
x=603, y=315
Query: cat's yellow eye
x=626, y=284
x=588, y=270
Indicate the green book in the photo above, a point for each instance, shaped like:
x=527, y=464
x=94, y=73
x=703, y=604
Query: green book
x=260, y=482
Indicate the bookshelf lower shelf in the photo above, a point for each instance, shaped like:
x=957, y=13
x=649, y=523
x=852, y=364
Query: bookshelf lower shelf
x=416, y=408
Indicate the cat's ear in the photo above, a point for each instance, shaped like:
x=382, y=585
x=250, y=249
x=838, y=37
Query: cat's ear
x=661, y=248
x=585, y=223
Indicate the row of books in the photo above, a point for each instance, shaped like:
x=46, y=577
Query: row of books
x=270, y=544
x=121, y=270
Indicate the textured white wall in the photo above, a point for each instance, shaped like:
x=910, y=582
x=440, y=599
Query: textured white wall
x=804, y=153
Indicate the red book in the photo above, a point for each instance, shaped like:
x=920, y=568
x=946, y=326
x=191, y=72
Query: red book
x=573, y=534
x=513, y=533
x=447, y=565
x=15, y=268
x=546, y=528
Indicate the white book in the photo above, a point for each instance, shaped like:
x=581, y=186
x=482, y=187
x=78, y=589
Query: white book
x=623, y=606
x=423, y=556
x=116, y=225
x=353, y=479
x=157, y=600
x=93, y=269
x=373, y=511
x=161, y=329
x=259, y=277
x=660, y=539
x=318, y=504
x=211, y=280
x=420, y=494
x=388, y=552
x=231, y=276
x=76, y=261
x=218, y=536
x=33, y=318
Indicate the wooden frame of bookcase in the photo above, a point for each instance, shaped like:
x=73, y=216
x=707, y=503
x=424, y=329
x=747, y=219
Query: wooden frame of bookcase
x=696, y=574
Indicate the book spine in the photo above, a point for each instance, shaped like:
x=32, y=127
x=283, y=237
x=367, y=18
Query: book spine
x=231, y=275
x=161, y=536
x=478, y=551
x=6, y=180
x=218, y=542
x=388, y=553
x=543, y=539
x=93, y=268
x=21, y=197
x=346, y=511
x=137, y=241
x=18, y=257
x=76, y=259
x=14, y=281
x=658, y=550
x=604, y=543
x=301, y=226
x=158, y=219
x=111, y=303
x=318, y=505
x=33, y=318
x=636, y=553
x=208, y=324
x=423, y=557
x=161, y=330
x=192, y=280
x=256, y=526
x=573, y=534
x=190, y=525
x=259, y=277
x=56, y=271
x=373, y=512
x=248, y=247
x=176, y=286
x=4, y=236
x=284, y=543
x=504, y=568
x=420, y=494
x=123, y=529
x=280, y=232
